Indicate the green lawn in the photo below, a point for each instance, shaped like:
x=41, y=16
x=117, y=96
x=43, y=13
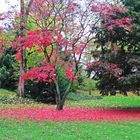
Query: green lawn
x=6, y=93
x=109, y=101
x=80, y=100
x=13, y=130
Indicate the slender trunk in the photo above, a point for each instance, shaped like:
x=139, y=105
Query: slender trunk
x=24, y=16
x=21, y=91
x=60, y=99
x=59, y=105
x=21, y=83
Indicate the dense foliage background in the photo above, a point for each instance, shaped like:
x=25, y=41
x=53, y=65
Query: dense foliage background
x=114, y=64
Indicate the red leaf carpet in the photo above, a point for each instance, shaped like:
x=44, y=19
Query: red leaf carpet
x=72, y=114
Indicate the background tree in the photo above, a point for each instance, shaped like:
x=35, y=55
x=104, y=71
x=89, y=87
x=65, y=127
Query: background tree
x=118, y=50
x=133, y=44
x=8, y=74
x=8, y=78
x=133, y=41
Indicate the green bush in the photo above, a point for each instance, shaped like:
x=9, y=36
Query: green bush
x=88, y=84
x=41, y=92
x=74, y=86
x=8, y=74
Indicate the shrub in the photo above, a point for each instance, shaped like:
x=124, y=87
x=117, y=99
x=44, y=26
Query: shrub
x=8, y=75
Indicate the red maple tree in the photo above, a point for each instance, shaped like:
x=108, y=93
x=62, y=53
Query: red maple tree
x=61, y=37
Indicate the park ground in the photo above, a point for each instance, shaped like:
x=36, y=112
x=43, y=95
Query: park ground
x=18, y=121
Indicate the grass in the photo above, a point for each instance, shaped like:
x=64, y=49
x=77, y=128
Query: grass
x=68, y=131
x=14, y=130
x=106, y=101
x=6, y=93
x=81, y=100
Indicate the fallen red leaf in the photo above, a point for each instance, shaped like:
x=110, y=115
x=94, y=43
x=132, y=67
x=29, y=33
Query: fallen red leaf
x=72, y=114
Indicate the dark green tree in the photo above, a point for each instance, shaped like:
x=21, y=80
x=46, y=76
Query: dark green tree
x=133, y=38
x=118, y=67
x=8, y=74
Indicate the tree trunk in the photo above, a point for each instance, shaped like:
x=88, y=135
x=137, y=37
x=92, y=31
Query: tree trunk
x=60, y=99
x=21, y=90
x=23, y=20
x=59, y=107
x=125, y=93
x=59, y=104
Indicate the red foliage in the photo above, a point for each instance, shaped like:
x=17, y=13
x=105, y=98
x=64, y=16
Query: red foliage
x=40, y=38
x=105, y=67
x=34, y=38
x=70, y=74
x=72, y=114
x=107, y=12
x=72, y=8
x=18, y=56
x=43, y=40
x=39, y=74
